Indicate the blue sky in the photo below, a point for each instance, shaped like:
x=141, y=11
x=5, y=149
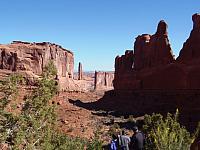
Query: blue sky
x=95, y=30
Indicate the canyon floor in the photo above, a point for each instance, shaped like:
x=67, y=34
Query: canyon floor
x=77, y=121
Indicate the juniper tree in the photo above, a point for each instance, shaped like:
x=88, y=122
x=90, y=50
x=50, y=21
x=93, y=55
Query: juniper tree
x=35, y=126
x=167, y=133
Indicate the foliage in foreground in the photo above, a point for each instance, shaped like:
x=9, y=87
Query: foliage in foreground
x=166, y=133
x=34, y=127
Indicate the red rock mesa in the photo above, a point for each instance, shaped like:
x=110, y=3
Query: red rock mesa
x=30, y=59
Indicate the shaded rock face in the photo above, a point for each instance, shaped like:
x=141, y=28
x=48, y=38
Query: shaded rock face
x=125, y=62
x=8, y=60
x=103, y=80
x=30, y=58
x=153, y=65
x=80, y=71
x=190, y=53
x=158, y=83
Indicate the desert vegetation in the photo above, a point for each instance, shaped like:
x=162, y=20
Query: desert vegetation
x=165, y=133
x=34, y=127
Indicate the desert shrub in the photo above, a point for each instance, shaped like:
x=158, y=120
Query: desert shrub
x=34, y=127
x=131, y=119
x=96, y=143
x=9, y=90
x=166, y=133
x=113, y=129
x=63, y=142
x=36, y=123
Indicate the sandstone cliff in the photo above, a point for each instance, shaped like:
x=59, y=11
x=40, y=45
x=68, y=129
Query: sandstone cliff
x=190, y=53
x=150, y=80
x=153, y=50
x=30, y=59
x=152, y=65
x=103, y=80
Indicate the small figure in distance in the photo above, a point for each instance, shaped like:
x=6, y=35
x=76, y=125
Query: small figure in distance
x=113, y=144
x=137, y=140
x=124, y=141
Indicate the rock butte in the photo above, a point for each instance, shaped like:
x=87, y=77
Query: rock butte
x=152, y=65
x=149, y=79
x=29, y=59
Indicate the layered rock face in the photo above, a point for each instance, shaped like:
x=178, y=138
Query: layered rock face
x=30, y=59
x=152, y=65
x=152, y=51
x=190, y=53
x=103, y=80
x=151, y=80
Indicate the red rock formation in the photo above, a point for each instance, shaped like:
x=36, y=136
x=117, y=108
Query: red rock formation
x=157, y=82
x=30, y=58
x=190, y=53
x=123, y=66
x=103, y=80
x=154, y=66
x=80, y=71
x=152, y=51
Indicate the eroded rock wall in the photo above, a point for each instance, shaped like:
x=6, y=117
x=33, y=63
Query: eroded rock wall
x=156, y=82
x=153, y=50
x=152, y=64
x=30, y=59
x=103, y=80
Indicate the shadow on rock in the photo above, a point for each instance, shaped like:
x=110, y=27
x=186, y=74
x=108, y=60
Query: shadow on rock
x=141, y=102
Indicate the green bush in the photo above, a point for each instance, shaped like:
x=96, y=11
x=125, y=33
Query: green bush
x=131, y=119
x=95, y=144
x=35, y=127
x=166, y=133
x=113, y=129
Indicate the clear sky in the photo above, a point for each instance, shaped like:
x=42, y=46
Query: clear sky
x=95, y=30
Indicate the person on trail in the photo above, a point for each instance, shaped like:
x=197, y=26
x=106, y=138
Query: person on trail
x=137, y=140
x=124, y=141
x=113, y=144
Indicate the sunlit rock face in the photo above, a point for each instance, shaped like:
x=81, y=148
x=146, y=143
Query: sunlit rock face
x=103, y=80
x=151, y=64
x=31, y=58
x=153, y=50
x=138, y=68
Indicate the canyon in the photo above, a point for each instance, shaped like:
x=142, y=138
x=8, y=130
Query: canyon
x=150, y=80
x=147, y=79
x=29, y=59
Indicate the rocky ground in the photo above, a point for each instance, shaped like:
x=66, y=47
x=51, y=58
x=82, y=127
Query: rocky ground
x=73, y=120
x=77, y=121
x=80, y=122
